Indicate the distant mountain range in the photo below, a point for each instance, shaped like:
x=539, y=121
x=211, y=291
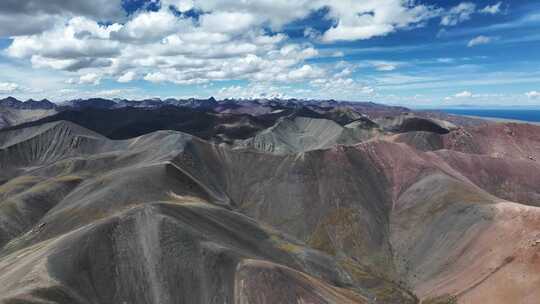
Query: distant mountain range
x=211, y=103
x=30, y=104
x=14, y=112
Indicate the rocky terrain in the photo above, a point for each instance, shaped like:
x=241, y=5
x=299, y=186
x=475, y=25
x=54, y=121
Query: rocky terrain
x=266, y=201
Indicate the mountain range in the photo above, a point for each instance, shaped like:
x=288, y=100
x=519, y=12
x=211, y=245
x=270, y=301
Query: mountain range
x=265, y=201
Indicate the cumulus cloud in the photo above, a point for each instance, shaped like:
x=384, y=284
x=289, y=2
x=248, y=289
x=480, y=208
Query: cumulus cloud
x=80, y=38
x=533, y=94
x=230, y=40
x=35, y=16
x=127, y=77
x=90, y=78
x=186, y=52
x=460, y=13
x=8, y=87
x=492, y=9
x=303, y=73
x=148, y=27
x=358, y=20
x=274, y=12
x=480, y=40
x=464, y=94
x=227, y=22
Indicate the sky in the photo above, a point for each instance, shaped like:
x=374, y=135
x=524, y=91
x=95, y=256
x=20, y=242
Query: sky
x=400, y=52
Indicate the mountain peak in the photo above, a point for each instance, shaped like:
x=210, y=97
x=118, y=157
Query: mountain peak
x=32, y=104
x=9, y=101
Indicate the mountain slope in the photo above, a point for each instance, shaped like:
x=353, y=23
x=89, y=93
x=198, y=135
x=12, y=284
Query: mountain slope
x=335, y=212
x=300, y=134
x=130, y=201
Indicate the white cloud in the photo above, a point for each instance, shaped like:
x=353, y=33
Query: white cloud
x=149, y=26
x=274, y=12
x=367, y=90
x=460, y=13
x=114, y=93
x=385, y=66
x=90, y=78
x=80, y=43
x=127, y=77
x=480, y=40
x=157, y=77
x=354, y=19
x=253, y=91
x=492, y=9
x=464, y=94
x=464, y=12
x=340, y=84
x=227, y=22
x=359, y=20
x=346, y=72
x=301, y=74
x=230, y=41
x=72, y=93
x=8, y=87
x=191, y=55
x=168, y=48
x=533, y=94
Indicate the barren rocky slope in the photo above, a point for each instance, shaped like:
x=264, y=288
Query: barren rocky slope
x=321, y=206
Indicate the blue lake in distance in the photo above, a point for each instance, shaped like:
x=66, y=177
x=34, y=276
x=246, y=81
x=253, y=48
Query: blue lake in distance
x=525, y=115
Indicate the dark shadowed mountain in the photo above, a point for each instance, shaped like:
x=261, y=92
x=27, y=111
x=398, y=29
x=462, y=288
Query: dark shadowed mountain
x=13, y=103
x=123, y=123
x=93, y=103
x=207, y=119
x=11, y=109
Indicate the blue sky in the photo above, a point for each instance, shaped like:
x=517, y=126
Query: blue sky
x=417, y=54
